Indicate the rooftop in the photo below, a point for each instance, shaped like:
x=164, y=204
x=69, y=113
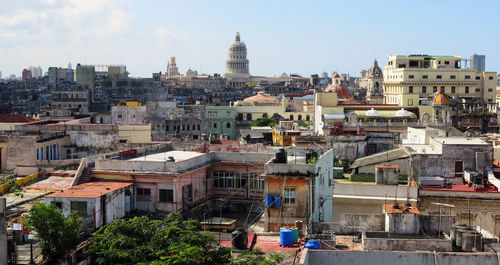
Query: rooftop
x=164, y=156
x=460, y=141
x=90, y=190
x=401, y=208
x=9, y=118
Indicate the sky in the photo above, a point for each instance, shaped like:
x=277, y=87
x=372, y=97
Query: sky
x=303, y=37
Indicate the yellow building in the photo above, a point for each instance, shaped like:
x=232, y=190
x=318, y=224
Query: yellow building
x=410, y=80
x=136, y=133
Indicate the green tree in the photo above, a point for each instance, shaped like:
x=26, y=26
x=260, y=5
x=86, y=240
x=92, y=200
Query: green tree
x=264, y=121
x=169, y=241
x=58, y=234
x=257, y=257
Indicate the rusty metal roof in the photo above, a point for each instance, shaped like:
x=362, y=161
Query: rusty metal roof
x=90, y=190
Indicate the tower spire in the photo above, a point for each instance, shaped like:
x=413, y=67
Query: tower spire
x=237, y=36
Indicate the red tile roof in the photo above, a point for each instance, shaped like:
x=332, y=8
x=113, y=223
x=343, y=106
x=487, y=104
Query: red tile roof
x=11, y=118
x=90, y=190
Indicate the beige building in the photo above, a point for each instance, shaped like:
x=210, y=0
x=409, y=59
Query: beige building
x=413, y=80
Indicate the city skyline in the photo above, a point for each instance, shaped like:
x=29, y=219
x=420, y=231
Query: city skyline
x=318, y=36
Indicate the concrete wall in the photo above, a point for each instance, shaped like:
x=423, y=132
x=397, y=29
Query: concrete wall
x=322, y=257
x=405, y=244
x=323, y=188
x=402, y=223
x=21, y=155
x=404, y=166
x=368, y=198
x=368, y=222
x=93, y=139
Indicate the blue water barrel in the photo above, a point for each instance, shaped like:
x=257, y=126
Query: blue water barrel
x=286, y=237
x=269, y=200
x=295, y=234
x=313, y=244
x=277, y=201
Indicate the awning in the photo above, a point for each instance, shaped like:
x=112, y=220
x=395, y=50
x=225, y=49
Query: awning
x=384, y=113
x=337, y=116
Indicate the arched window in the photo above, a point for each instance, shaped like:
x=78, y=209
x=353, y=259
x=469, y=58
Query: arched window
x=228, y=125
x=240, y=116
x=291, y=117
x=308, y=118
x=249, y=116
x=300, y=117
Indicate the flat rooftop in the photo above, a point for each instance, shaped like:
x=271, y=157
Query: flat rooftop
x=460, y=141
x=90, y=190
x=164, y=156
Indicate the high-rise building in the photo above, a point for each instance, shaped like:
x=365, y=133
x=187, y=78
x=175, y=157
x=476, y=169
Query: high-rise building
x=172, y=69
x=0, y=75
x=26, y=74
x=36, y=71
x=478, y=62
x=409, y=80
x=85, y=75
x=237, y=64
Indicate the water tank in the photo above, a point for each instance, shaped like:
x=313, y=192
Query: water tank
x=281, y=156
x=239, y=239
x=269, y=200
x=286, y=237
x=313, y=244
x=453, y=230
x=471, y=241
x=295, y=233
x=459, y=234
x=277, y=201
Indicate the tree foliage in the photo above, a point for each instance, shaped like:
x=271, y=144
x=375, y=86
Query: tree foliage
x=257, y=257
x=264, y=121
x=169, y=241
x=58, y=234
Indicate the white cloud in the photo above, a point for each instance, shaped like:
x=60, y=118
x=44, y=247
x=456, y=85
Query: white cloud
x=165, y=35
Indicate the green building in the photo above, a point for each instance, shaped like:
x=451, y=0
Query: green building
x=220, y=122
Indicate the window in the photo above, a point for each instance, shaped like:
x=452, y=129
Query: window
x=143, y=195
x=446, y=62
x=467, y=77
x=119, y=116
x=452, y=89
x=478, y=78
x=215, y=114
x=80, y=208
x=300, y=117
x=228, y=114
x=198, y=127
x=289, y=196
x=410, y=102
x=438, y=76
x=490, y=77
x=467, y=90
x=411, y=76
x=183, y=127
x=425, y=76
x=188, y=128
x=453, y=76
x=490, y=100
x=209, y=114
x=478, y=90
x=442, y=89
x=228, y=125
x=230, y=180
x=424, y=89
x=308, y=118
x=291, y=117
x=410, y=89
x=490, y=89
x=249, y=116
x=215, y=125
x=166, y=195
x=240, y=116
x=256, y=183
x=434, y=89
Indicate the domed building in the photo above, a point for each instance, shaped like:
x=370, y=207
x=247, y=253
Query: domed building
x=259, y=100
x=237, y=64
x=336, y=87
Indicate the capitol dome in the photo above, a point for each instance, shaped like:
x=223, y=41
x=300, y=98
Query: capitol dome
x=237, y=64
